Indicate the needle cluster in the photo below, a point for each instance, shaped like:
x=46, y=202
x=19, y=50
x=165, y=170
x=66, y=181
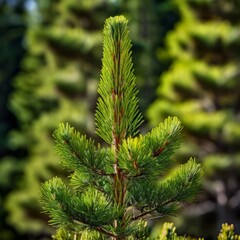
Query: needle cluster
x=114, y=190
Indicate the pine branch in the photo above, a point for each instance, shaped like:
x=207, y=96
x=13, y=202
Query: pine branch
x=79, y=210
x=81, y=181
x=167, y=196
x=76, y=151
x=143, y=214
x=155, y=209
x=104, y=231
x=149, y=156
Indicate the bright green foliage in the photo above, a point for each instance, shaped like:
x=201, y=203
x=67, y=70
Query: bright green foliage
x=168, y=232
x=150, y=20
x=114, y=190
x=118, y=104
x=63, y=234
x=201, y=87
x=57, y=83
x=227, y=233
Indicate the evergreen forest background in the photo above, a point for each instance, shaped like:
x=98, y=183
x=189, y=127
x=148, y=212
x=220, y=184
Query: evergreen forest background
x=186, y=56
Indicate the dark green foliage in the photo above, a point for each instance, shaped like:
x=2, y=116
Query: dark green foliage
x=114, y=190
x=77, y=208
x=12, y=30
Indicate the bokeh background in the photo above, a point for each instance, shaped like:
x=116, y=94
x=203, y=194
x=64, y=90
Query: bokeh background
x=186, y=56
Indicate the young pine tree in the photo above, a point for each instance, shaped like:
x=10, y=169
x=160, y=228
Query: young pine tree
x=114, y=190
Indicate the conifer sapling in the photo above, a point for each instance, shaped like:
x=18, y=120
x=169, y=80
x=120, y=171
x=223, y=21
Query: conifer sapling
x=114, y=190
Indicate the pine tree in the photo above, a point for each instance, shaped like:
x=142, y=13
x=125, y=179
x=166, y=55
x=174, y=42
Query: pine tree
x=114, y=190
x=57, y=83
x=201, y=87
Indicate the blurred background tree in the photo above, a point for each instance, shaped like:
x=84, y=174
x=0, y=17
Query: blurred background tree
x=12, y=30
x=149, y=22
x=201, y=87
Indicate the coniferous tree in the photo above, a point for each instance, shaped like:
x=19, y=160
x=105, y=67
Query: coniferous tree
x=114, y=190
x=201, y=87
x=57, y=83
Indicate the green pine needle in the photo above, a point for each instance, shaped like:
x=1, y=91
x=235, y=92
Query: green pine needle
x=76, y=152
x=117, y=108
x=114, y=191
x=90, y=209
x=150, y=155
